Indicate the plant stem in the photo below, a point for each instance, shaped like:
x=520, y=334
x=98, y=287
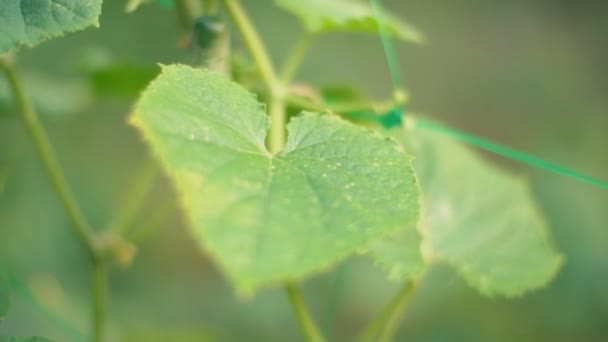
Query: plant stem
x=135, y=196
x=187, y=11
x=336, y=108
x=386, y=321
x=307, y=325
x=277, y=129
x=254, y=45
x=100, y=289
x=59, y=183
x=49, y=161
x=296, y=56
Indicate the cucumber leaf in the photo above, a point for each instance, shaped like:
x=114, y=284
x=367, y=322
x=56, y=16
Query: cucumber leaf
x=399, y=255
x=29, y=22
x=320, y=16
x=481, y=220
x=270, y=218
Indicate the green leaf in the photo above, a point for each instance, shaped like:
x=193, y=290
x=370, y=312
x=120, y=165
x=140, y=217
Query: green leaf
x=399, y=255
x=479, y=219
x=320, y=16
x=268, y=218
x=29, y=22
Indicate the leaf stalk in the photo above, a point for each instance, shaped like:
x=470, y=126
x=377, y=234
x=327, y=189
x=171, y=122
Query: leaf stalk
x=306, y=322
x=385, y=324
x=59, y=183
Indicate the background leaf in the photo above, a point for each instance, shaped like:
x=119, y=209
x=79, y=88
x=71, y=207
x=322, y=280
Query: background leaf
x=267, y=218
x=29, y=22
x=319, y=16
x=481, y=220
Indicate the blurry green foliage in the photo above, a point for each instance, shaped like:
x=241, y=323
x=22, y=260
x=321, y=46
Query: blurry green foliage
x=319, y=16
x=527, y=74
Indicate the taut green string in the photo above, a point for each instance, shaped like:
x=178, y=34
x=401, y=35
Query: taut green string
x=389, y=120
x=389, y=50
x=508, y=152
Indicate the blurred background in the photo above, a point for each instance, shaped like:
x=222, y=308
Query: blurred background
x=528, y=74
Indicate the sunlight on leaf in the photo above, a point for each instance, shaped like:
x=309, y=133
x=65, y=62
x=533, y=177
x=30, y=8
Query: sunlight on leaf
x=267, y=219
x=319, y=16
x=29, y=22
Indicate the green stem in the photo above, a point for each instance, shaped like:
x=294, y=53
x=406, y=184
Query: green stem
x=187, y=11
x=307, y=325
x=254, y=45
x=158, y=218
x=100, y=289
x=294, y=60
x=134, y=198
x=277, y=128
x=336, y=108
x=385, y=324
x=60, y=185
x=49, y=161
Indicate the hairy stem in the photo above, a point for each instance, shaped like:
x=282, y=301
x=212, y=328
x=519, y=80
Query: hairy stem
x=385, y=324
x=296, y=56
x=308, y=326
x=100, y=289
x=254, y=45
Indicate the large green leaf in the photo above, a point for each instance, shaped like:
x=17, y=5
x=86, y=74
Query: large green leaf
x=399, y=255
x=481, y=220
x=29, y=22
x=268, y=218
x=319, y=16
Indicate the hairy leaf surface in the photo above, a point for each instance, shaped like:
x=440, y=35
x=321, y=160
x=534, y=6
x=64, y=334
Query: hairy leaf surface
x=268, y=218
x=481, y=220
x=29, y=22
x=319, y=16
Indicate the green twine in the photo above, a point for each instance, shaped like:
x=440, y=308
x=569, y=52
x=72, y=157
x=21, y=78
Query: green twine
x=394, y=118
